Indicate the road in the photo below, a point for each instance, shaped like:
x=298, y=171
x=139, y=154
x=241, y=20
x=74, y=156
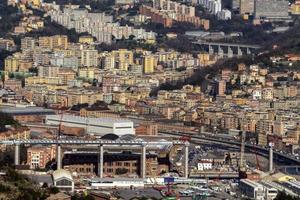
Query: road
x=227, y=141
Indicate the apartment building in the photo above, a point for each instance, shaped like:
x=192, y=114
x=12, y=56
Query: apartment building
x=89, y=58
x=53, y=42
x=39, y=156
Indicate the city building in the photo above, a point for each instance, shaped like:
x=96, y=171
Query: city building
x=252, y=189
x=95, y=126
x=53, y=42
x=39, y=156
x=63, y=180
x=246, y=6
x=271, y=9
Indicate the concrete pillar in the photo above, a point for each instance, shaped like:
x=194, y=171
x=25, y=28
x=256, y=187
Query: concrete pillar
x=202, y=129
x=248, y=51
x=271, y=159
x=210, y=50
x=186, y=160
x=239, y=51
x=58, y=157
x=100, y=162
x=220, y=51
x=17, y=154
x=229, y=52
x=143, y=162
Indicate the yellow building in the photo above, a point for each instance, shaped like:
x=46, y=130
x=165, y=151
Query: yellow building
x=35, y=2
x=25, y=65
x=54, y=42
x=65, y=52
x=87, y=72
x=80, y=97
x=123, y=58
x=98, y=113
x=36, y=80
x=11, y=64
x=66, y=75
x=149, y=63
x=86, y=39
x=166, y=56
x=89, y=58
x=295, y=8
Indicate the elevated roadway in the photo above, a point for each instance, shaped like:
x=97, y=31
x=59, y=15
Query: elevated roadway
x=232, y=142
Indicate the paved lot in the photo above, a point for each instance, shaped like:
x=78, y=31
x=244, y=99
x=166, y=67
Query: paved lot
x=129, y=194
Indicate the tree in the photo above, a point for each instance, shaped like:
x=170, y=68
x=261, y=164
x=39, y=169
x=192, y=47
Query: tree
x=120, y=171
x=282, y=195
x=54, y=190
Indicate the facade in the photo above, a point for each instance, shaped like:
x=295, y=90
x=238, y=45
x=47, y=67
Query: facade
x=252, y=189
x=28, y=43
x=205, y=164
x=39, y=156
x=53, y=42
x=246, y=6
x=124, y=164
x=63, y=180
x=221, y=86
x=271, y=9
x=148, y=128
x=149, y=64
x=89, y=58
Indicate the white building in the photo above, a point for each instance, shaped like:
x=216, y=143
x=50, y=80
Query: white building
x=98, y=25
x=214, y=6
x=252, y=189
x=96, y=126
x=224, y=14
x=205, y=164
x=256, y=94
x=63, y=180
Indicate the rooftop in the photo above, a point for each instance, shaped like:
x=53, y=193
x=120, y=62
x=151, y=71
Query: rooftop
x=25, y=110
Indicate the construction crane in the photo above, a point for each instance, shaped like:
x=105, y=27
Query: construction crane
x=256, y=155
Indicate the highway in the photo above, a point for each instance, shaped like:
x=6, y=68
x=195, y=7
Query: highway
x=229, y=141
x=90, y=142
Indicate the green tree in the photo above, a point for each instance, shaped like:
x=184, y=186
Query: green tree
x=282, y=195
x=120, y=171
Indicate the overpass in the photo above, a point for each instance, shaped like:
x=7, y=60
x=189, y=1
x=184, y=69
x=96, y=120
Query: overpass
x=228, y=50
x=230, y=142
x=143, y=145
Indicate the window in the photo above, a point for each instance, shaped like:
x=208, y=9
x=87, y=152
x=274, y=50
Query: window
x=109, y=170
x=64, y=182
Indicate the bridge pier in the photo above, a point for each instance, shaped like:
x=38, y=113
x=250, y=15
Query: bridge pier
x=220, y=51
x=186, y=160
x=59, y=157
x=239, y=51
x=17, y=154
x=143, y=161
x=271, y=159
x=100, y=161
x=202, y=129
x=210, y=50
x=248, y=51
x=229, y=52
